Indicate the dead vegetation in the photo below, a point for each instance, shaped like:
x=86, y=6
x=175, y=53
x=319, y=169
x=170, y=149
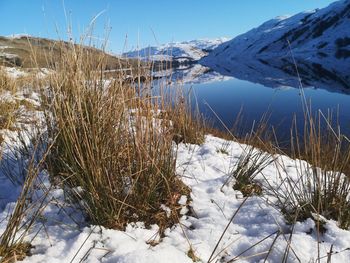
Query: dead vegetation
x=112, y=154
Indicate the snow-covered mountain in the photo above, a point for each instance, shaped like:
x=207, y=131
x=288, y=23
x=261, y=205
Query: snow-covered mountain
x=318, y=38
x=188, y=51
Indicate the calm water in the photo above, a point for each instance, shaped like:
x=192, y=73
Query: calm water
x=227, y=96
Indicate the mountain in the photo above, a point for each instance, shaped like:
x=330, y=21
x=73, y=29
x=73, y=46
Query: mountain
x=27, y=52
x=181, y=52
x=319, y=41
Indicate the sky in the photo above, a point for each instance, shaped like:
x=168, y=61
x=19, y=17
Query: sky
x=128, y=24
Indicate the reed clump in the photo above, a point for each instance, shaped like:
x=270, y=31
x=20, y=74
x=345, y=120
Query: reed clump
x=188, y=125
x=322, y=186
x=112, y=154
x=7, y=108
x=251, y=162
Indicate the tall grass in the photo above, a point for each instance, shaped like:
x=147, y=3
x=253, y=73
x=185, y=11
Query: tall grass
x=251, y=162
x=189, y=125
x=322, y=154
x=322, y=186
x=113, y=155
x=7, y=108
x=29, y=205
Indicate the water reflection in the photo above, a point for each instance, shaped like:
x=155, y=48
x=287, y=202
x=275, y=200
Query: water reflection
x=258, y=90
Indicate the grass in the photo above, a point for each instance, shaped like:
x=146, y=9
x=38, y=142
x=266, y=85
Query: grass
x=251, y=162
x=112, y=150
x=8, y=114
x=6, y=83
x=112, y=154
x=322, y=161
x=13, y=104
x=29, y=205
x=188, y=124
x=6, y=108
x=33, y=52
x=322, y=186
x=17, y=252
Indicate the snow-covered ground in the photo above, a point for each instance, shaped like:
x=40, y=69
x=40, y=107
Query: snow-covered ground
x=62, y=235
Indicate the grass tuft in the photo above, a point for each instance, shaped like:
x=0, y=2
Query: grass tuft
x=251, y=162
x=17, y=252
x=322, y=185
x=112, y=154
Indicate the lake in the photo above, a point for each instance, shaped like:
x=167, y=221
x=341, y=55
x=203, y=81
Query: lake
x=228, y=95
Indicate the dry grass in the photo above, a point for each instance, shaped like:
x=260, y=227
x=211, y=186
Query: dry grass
x=6, y=83
x=13, y=245
x=7, y=109
x=322, y=159
x=251, y=162
x=15, y=253
x=8, y=114
x=34, y=52
x=324, y=184
x=112, y=150
x=112, y=154
x=12, y=106
x=188, y=125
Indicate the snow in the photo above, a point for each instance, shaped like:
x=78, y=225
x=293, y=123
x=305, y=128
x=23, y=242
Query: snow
x=188, y=50
x=264, y=51
x=62, y=235
x=270, y=34
x=17, y=36
x=14, y=72
x=17, y=72
x=256, y=228
x=205, y=171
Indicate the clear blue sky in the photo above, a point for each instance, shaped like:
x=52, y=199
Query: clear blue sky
x=145, y=21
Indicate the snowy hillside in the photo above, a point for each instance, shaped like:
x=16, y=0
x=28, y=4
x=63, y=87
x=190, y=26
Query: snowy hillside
x=318, y=37
x=180, y=51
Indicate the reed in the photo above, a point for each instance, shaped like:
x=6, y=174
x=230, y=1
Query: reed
x=113, y=155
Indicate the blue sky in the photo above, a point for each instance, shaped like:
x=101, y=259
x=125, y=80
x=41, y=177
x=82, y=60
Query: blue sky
x=144, y=22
